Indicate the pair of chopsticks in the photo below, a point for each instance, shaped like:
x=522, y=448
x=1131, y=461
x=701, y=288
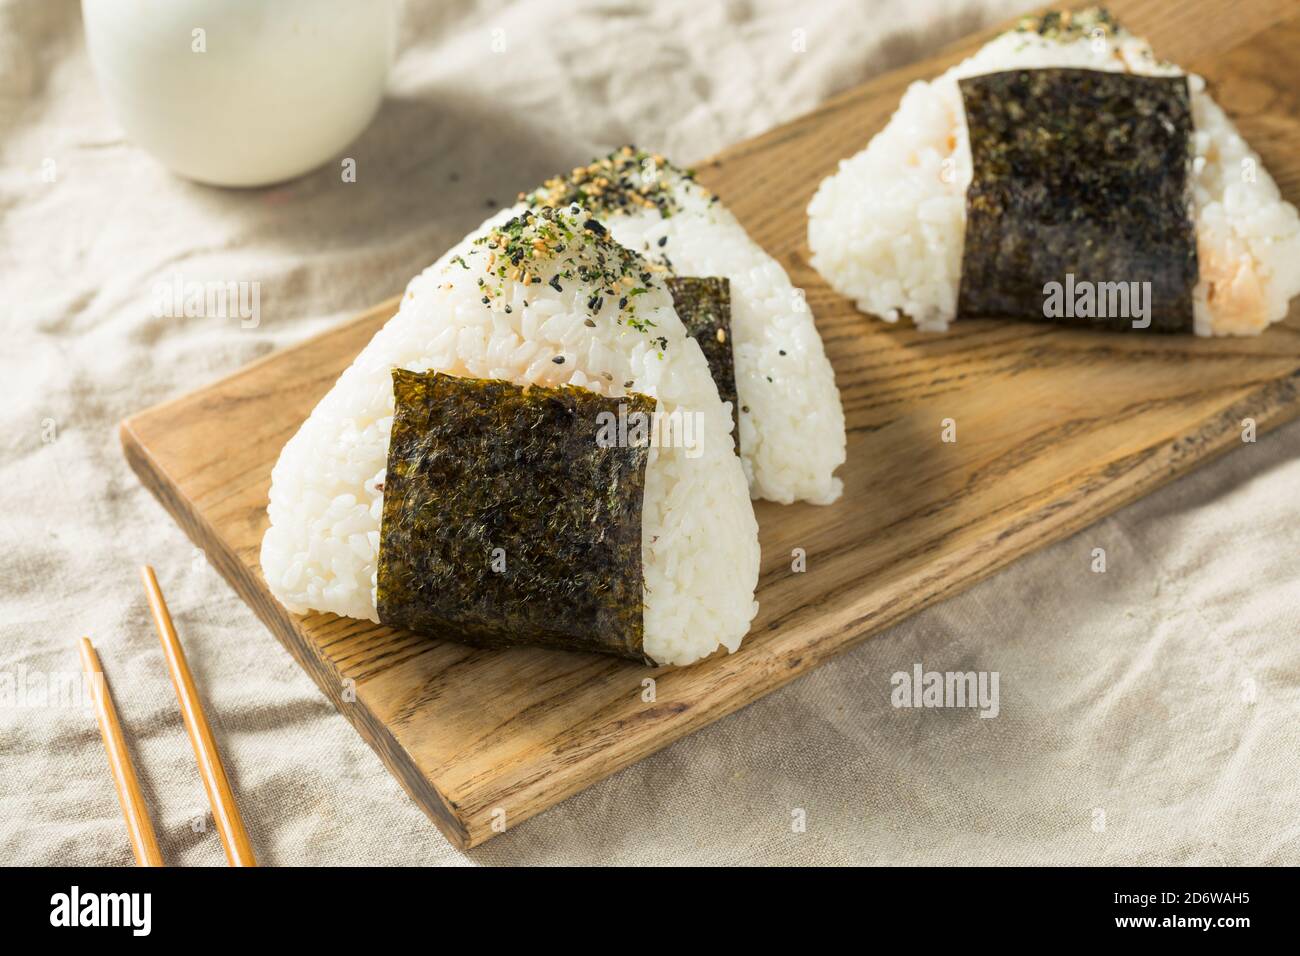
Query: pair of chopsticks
x=225, y=814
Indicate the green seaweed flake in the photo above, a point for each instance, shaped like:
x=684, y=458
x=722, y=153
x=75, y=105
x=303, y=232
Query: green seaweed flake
x=1067, y=25
x=505, y=522
x=628, y=180
x=570, y=246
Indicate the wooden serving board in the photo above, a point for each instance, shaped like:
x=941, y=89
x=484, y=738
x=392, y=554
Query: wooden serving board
x=1055, y=428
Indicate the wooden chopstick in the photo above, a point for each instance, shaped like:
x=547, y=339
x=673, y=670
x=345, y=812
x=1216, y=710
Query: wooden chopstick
x=225, y=813
x=139, y=828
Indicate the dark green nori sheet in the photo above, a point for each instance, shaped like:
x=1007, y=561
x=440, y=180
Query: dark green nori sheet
x=704, y=306
x=475, y=465
x=1078, y=172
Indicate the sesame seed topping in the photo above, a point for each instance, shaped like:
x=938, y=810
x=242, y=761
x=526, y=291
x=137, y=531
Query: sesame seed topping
x=627, y=180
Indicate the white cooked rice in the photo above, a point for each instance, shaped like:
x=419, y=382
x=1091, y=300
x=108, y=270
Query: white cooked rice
x=791, y=420
x=699, y=537
x=887, y=229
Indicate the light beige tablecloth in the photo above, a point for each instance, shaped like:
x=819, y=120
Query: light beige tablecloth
x=1160, y=697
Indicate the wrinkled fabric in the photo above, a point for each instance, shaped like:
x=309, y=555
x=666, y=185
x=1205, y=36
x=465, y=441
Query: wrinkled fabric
x=1148, y=714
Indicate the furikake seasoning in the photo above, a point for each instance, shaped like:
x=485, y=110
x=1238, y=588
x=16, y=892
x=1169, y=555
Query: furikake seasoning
x=704, y=306
x=569, y=249
x=506, y=521
x=1080, y=178
x=627, y=180
x=1069, y=25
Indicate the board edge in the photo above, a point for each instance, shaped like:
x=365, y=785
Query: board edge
x=275, y=618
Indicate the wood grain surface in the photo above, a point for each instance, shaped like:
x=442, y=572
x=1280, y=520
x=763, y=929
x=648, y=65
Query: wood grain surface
x=1055, y=428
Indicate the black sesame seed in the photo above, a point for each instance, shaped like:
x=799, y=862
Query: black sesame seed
x=558, y=360
x=555, y=284
x=663, y=241
x=589, y=323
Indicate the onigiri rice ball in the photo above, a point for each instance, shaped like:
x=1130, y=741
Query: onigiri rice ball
x=887, y=228
x=471, y=315
x=792, y=435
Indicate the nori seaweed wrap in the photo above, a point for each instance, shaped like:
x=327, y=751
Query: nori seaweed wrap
x=704, y=306
x=507, y=520
x=1080, y=178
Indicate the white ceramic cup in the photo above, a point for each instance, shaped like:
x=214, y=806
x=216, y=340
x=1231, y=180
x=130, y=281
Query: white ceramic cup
x=242, y=92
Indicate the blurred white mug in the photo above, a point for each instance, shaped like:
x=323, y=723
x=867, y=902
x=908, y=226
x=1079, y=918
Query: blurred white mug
x=242, y=92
